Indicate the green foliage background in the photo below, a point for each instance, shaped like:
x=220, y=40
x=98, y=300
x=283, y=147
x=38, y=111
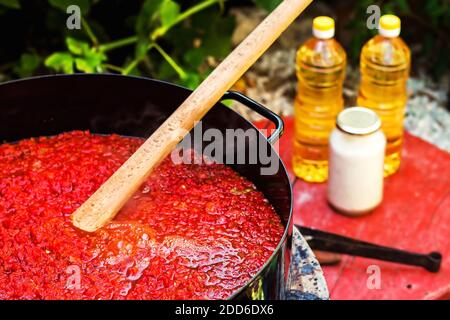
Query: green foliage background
x=425, y=28
x=167, y=39
x=181, y=40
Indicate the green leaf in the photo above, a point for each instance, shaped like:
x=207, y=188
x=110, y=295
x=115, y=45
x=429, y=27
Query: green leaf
x=76, y=46
x=194, y=57
x=90, y=62
x=192, y=80
x=141, y=47
x=60, y=61
x=84, y=65
x=227, y=102
x=88, y=59
x=12, y=4
x=269, y=5
x=207, y=33
x=216, y=41
x=64, y=4
x=147, y=18
x=169, y=11
x=94, y=56
x=28, y=63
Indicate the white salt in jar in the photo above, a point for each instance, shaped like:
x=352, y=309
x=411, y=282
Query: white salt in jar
x=355, y=176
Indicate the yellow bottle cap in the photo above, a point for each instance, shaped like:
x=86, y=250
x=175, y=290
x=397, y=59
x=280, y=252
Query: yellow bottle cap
x=323, y=27
x=389, y=25
x=389, y=22
x=323, y=23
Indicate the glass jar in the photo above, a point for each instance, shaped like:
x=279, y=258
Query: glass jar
x=357, y=147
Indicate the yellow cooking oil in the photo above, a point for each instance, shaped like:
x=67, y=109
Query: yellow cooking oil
x=320, y=63
x=384, y=65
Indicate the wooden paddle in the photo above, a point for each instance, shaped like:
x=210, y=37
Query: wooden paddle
x=104, y=204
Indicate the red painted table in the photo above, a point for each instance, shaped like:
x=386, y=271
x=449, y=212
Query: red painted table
x=414, y=216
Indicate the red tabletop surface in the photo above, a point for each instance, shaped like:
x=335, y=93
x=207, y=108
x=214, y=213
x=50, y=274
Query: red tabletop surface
x=414, y=216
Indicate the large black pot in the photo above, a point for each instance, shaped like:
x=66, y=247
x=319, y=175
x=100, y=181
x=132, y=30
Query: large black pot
x=136, y=107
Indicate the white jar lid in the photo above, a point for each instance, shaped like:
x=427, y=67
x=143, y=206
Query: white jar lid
x=358, y=121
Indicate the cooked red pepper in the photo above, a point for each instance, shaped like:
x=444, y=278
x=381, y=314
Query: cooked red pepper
x=190, y=232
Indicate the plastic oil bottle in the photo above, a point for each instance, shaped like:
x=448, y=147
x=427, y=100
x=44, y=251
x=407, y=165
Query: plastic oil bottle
x=384, y=64
x=321, y=63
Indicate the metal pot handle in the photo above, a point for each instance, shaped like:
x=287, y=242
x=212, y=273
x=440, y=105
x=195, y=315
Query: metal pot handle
x=261, y=110
x=325, y=241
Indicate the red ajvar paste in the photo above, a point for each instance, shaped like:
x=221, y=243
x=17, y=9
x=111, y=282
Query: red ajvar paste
x=190, y=232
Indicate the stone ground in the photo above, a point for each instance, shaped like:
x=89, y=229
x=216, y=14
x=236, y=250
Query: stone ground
x=272, y=82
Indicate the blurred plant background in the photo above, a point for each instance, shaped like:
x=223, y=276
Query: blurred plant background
x=425, y=28
x=159, y=38
x=182, y=41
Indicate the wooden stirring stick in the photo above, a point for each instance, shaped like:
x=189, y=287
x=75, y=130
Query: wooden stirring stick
x=104, y=204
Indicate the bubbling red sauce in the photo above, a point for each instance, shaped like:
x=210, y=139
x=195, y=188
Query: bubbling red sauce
x=190, y=232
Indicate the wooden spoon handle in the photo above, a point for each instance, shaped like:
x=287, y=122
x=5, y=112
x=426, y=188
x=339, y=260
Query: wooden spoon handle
x=104, y=204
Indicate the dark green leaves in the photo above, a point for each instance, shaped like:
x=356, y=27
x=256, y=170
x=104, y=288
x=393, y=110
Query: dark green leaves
x=403, y=6
x=64, y=4
x=217, y=40
x=173, y=40
x=12, y=4
x=28, y=63
x=425, y=27
x=194, y=57
x=206, y=33
x=269, y=5
x=148, y=16
x=436, y=9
